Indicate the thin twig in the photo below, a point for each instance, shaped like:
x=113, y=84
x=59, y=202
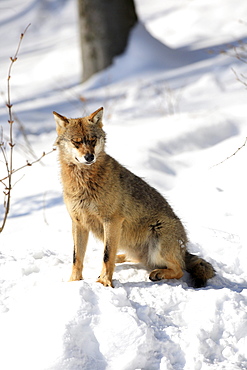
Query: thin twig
x=239, y=79
x=245, y=142
x=9, y=164
x=28, y=145
x=28, y=164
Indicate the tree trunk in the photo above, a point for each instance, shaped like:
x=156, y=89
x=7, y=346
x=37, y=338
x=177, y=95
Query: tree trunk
x=104, y=30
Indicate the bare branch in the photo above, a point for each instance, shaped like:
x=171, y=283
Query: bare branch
x=28, y=164
x=9, y=164
x=245, y=142
x=240, y=53
x=241, y=80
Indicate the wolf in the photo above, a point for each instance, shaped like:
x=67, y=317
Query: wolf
x=119, y=208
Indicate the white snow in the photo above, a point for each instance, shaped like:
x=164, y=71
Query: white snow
x=173, y=111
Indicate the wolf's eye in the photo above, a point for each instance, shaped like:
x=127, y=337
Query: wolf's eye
x=93, y=142
x=76, y=142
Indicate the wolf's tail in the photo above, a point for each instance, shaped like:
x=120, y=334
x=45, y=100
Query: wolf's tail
x=199, y=269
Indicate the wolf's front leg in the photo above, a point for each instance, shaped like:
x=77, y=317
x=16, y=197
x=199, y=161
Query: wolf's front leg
x=112, y=233
x=80, y=236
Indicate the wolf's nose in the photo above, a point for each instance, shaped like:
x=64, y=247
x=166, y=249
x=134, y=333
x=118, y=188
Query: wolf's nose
x=89, y=157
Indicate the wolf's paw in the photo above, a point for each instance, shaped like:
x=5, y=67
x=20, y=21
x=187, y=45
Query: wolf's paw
x=157, y=275
x=105, y=281
x=75, y=276
x=160, y=274
x=121, y=258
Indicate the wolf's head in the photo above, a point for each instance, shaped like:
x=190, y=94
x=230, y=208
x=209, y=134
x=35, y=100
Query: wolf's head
x=80, y=140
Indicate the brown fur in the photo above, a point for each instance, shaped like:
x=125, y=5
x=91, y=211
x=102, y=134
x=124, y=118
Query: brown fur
x=119, y=208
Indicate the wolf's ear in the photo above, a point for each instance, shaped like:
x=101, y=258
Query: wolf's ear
x=96, y=117
x=61, y=122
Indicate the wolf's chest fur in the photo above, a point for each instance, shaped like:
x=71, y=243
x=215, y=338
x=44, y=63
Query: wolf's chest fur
x=86, y=195
x=81, y=191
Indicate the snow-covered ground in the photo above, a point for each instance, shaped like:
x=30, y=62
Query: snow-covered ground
x=173, y=110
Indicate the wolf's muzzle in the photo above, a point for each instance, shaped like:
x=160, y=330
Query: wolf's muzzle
x=89, y=158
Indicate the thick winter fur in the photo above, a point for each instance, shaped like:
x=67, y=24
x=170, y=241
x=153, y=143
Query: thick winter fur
x=119, y=208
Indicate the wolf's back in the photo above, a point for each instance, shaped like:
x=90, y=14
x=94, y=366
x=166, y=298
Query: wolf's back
x=199, y=269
